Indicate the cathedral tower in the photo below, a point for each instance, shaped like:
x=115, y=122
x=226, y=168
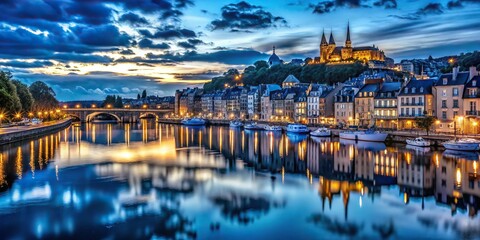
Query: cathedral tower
x=323, y=49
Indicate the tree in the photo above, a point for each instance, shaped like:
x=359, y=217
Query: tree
x=43, y=96
x=425, y=123
x=25, y=95
x=109, y=100
x=10, y=100
x=144, y=94
x=118, y=102
x=138, y=96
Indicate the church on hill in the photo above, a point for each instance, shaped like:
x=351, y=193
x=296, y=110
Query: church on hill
x=330, y=53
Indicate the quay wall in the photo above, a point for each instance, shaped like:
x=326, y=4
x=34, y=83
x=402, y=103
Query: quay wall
x=32, y=132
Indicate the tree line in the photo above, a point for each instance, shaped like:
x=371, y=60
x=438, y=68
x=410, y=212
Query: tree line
x=261, y=73
x=465, y=61
x=16, y=97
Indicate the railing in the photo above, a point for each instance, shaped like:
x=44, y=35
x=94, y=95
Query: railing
x=472, y=113
x=385, y=117
x=411, y=115
x=412, y=104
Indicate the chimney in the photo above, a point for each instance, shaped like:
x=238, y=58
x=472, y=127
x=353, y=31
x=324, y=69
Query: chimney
x=455, y=72
x=473, y=72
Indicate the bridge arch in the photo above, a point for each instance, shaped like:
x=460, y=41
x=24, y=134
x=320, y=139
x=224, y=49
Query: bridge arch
x=149, y=114
x=91, y=116
x=74, y=117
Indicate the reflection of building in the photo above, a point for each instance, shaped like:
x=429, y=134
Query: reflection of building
x=416, y=174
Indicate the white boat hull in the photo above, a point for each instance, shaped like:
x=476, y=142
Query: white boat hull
x=418, y=144
x=194, y=122
x=321, y=134
x=462, y=146
x=236, y=125
x=361, y=136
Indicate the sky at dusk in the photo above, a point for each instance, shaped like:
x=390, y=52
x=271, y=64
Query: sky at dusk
x=86, y=49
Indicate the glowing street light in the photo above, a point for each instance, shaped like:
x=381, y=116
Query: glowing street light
x=77, y=106
x=109, y=105
x=1, y=117
x=65, y=106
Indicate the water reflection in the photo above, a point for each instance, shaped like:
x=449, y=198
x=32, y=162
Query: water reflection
x=155, y=180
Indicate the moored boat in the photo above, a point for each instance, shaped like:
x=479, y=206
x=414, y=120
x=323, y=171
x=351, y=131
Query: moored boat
x=321, y=132
x=273, y=128
x=297, y=128
x=236, y=124
x=194, y=122
x=252, y=126
x=463, y=144
x=369, y=136
x=418, y=142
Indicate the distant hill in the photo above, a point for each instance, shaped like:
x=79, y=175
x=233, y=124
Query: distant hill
x=261, y=73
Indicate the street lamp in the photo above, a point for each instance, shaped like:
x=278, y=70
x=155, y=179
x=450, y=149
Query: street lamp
x=1, y=117
x=109, y=105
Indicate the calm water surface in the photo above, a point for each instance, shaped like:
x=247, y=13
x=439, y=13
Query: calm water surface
x=151, y=180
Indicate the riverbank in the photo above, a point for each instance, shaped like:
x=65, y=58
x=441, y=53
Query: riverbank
x=18, y=133
x=394, y=136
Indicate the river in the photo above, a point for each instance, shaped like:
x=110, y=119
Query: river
x=151, y=180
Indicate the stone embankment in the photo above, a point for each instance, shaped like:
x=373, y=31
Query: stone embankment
x=13, y=134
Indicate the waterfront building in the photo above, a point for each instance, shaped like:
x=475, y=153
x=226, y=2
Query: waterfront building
x=300, y=106
x=471, y=102
x=385, y=106
x=266, y=107
x=207, y=104
x=344, y=105
x=414, y=100
x=364, y=102
x=218, y=104
x=244, y=103
x=448, y=92
x=253, y=102
x=327, y=103
x=313, y=103
x=331, y=53
x=232, y=98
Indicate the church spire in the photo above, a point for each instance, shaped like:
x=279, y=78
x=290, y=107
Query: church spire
x=324, y=40
x=331, y=40
x=348, y=42
x=273, y=49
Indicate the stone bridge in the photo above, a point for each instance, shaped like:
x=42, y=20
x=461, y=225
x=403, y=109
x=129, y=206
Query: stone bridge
x=120, y=114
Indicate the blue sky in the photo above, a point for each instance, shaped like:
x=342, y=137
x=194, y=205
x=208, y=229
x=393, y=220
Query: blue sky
x=88, y=49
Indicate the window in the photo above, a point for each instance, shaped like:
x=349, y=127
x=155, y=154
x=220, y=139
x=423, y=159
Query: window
x=444, y=93
x=474, y=83
x=455, y=92
x=420, y=100
x=405, y=90
x=407, y=111
x=401, y=111
x=455, y=113
x=413, y=90
x=455, y=103
x=444, y=114
x=445, y=80
x=444, y=103
x=402, y=100
x=421, y=89
x=413, y=100
x=420, y=112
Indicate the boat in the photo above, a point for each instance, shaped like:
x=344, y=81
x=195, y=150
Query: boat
x=463, y=144
x=369, y=136
x=418, y=142
x=273, y=128
x=297, y=128
x=321, y=132
x=252, y=126
x=194, y=122
x=461, y=155
x=236, y=124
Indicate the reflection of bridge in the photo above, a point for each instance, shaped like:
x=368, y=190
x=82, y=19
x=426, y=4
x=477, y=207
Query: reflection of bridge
x=120, y=114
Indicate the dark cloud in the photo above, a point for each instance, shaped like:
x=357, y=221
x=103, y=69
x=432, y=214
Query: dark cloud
x=191, y=43
x=331, y=5
x=244, y=16
x=183, y=3
x=244, y=56
x=323, y=7
x=207, y=75
x=147, y=43
x=92, y=13
x=127, y=52
x=386, y=3
x=105, y=35
x=431, y=8
x=23, y=64
x=169, y=32
x=454, y=4
x=133, y=19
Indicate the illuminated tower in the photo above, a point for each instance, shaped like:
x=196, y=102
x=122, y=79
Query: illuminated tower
x=323, y=49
